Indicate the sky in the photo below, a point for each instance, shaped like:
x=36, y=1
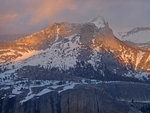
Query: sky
x=26, y=16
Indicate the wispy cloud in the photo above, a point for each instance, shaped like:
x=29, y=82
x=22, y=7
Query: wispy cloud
x=50, y=8
x=6, y=20
x=26, y=15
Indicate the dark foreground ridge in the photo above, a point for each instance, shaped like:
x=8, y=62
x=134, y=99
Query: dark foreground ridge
x=111, y=97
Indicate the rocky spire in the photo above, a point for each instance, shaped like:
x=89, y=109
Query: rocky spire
x=99, y=22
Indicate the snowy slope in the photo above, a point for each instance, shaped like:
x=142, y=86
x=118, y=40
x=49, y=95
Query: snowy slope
x=62, y=54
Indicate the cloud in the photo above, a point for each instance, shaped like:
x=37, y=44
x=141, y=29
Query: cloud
x=30, y=12
x=28, y=15
x=50, y=8
x=6, y=20
x=38, y=9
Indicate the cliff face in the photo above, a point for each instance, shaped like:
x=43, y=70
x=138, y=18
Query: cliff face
x=84, y=99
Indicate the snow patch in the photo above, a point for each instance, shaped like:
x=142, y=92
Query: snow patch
x=139, y=75
x=16, y=90
x=95, y=60
x=139, y=57
x=57, y=33
x=62, y=54
x=99, y=22
x=69, y=86
x=44, y=91
x=28, y=97
x=27, y=55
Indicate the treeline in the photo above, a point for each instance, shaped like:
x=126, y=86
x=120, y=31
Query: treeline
x=82, y=70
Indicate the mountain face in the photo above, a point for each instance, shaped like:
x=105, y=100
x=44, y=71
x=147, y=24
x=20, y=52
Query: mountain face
x=71, y=47
x=51, y=67
x=145, y=46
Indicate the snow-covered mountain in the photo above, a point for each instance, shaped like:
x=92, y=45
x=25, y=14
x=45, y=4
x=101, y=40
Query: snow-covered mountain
x=65, y=59
x=73, y=48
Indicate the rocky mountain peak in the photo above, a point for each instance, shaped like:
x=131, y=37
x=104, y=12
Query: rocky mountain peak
x=99, y=22
x=63, y=45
